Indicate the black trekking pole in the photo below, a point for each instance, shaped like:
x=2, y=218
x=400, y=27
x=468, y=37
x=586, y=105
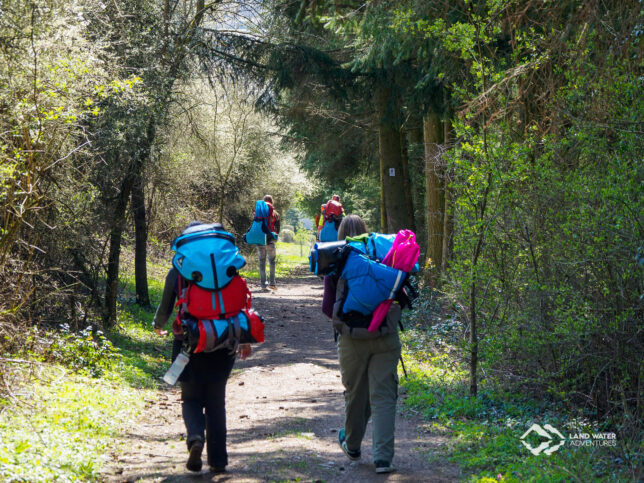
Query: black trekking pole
x=403, y=366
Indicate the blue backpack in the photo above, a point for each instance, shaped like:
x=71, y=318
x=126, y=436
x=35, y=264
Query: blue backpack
x=369, y=283
x=329, y=232
x=260, y=232
x=207, y=256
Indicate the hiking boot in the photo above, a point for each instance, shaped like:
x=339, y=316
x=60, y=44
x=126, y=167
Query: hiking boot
x=384, y=467
x=272, y=287
x=194, y=458
x=353, y=455
x=217, y=470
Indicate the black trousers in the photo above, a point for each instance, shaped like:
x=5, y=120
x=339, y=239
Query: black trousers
x=204, y=406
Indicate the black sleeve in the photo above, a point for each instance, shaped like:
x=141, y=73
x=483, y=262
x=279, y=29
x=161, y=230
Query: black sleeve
x=170, y=289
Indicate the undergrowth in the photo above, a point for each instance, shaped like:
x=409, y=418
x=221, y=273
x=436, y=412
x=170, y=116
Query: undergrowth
x=485, y=430
x=62, y=426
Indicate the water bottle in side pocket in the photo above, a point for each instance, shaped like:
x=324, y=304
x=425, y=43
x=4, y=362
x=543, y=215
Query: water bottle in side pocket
x=176, y=368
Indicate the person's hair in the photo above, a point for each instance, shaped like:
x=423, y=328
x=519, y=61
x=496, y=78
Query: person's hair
x=352, y=225
x=269, y=199
x=335, y=197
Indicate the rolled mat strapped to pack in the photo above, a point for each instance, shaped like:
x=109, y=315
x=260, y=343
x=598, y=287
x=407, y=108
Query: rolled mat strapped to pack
x=207, y=256
x=207, y=335
x=327, y=257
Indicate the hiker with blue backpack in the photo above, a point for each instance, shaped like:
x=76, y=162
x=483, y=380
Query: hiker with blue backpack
x=263, y=233
x=214, y=323
x=364, y=298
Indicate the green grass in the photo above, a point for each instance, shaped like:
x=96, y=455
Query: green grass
x=290, y=256
x=485, y=430
x=62, y=425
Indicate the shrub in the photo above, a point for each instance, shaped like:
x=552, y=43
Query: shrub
x=287, y=236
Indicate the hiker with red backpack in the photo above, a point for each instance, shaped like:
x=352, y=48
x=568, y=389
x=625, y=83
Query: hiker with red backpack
x=214, y=323
x=328, y=220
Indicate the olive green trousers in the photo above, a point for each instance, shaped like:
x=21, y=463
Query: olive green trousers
x=370, y=378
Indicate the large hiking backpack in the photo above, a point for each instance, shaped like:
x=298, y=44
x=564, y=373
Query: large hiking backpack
x=369, y=282
x=333, y=207
x=329, y=232
x=212, y=296
x=207, y=255
x=362, y=285
x=261, y=231
x=364, y=282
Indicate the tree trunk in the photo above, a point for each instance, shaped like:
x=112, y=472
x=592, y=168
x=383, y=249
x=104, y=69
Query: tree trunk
x=116, y=234
x=448, y=212
x=474, y=344
x=409, y=201
x=434, y=189
x=383, y=203
x=391, y=165
x=141, y=238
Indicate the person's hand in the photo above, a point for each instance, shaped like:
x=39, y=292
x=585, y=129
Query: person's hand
x=244, y=351
x=160, y=332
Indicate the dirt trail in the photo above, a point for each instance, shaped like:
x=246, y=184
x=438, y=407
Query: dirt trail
x=284, y=408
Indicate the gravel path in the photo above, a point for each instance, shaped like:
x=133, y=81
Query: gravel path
x=284, y=408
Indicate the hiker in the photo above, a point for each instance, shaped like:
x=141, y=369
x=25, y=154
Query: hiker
x=203, y=383
x=269, y=250
x=368, y=367
x=328, y=220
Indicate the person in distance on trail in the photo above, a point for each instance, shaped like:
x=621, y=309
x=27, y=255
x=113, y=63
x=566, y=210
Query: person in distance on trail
x=331, y=211
x=269, y=250
x=369, y=374
x=203, y=385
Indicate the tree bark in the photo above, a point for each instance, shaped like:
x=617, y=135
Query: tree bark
x=141, y=241
x=409, y=201
x=448, y=212
x=383, y=203
x=391, y=165
x=116, y=234
x=434, y=189
x=474, y=343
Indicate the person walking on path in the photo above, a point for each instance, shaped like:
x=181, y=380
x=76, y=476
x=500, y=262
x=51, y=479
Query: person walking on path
x=368, y=368
x=203, y=386
x=269, y=250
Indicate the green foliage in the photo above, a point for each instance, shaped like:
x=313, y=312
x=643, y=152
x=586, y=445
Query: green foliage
x=82, y=351
x=63, y=428
x=485, y=430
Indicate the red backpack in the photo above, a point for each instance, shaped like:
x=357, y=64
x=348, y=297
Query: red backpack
x=333, y=208
x=270, y=221
x=200, y=311
x=208, y=304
